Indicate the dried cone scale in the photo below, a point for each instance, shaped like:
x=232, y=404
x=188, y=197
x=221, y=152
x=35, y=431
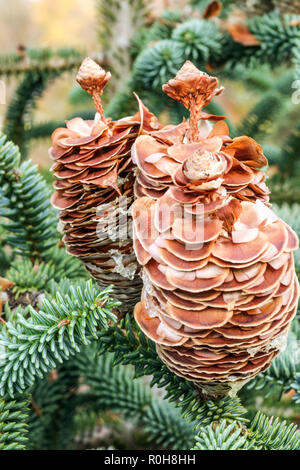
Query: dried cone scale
x=94, y=188
x=220, y=289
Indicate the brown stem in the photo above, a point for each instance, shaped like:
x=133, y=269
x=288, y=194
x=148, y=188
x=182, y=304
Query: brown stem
x=98, y=106
x=195, y=111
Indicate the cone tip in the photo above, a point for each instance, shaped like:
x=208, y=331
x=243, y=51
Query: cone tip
x=192, y=82
x=92, y=77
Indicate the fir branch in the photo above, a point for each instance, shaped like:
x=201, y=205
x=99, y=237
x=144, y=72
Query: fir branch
x=166, y=427
x=24, y=200
x=29, y=276
x=43, y=60
x=264, y=434
x=210, y=411
x=131, y=346
x=114, y=388
x=157, y=64
x=18, y=111
x=278, y=39
x=13, y=422
x=38, y=69
x=201, y=40
x=42, y=130
x=272, y=434
x=39, y=339
x=162, y=28
x=222, y=436
x=52, y=418
x=108, y=17
x=277, y=36
x=66, y=266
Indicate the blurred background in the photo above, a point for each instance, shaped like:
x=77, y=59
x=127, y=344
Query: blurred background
x=32, y=31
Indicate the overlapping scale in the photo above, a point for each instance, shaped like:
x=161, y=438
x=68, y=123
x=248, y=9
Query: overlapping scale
x=94, y=190
x=220, y=288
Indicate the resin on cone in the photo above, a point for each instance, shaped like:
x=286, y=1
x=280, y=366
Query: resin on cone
x=220, y=288
x=94, y=188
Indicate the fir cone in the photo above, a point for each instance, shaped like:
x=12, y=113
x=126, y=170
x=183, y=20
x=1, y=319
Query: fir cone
x=220, y=288
x=94, y=189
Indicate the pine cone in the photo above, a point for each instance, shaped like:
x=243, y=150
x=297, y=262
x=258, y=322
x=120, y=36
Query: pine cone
x=94, y=190
x=220, y=288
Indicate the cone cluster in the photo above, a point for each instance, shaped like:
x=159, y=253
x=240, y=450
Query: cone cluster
x=94, y=188
x=219, y=283
x=220, y=288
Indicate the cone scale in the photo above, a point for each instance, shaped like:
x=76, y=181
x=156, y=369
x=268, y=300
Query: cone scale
x=220, y=288
x=94, y=188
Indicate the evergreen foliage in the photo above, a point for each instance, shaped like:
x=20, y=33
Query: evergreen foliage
x=52, y=417
x=130, y=346
x=42, y=59
x=263, y=434
x=222, y=436
x=24, y=99
x=40, y=339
